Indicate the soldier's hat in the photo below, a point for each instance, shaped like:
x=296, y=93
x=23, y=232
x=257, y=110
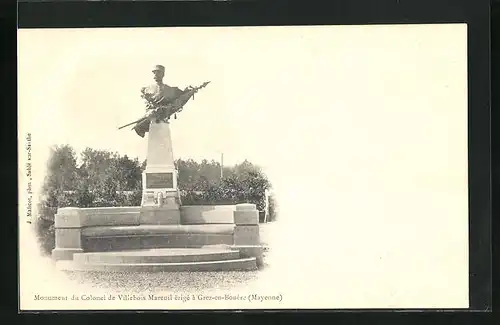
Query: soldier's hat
x=159, y=68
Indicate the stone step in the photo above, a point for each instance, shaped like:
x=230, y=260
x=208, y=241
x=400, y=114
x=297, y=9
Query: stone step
x=161, y=255
x=120, y=238
x=240, y=264
x=122, y=243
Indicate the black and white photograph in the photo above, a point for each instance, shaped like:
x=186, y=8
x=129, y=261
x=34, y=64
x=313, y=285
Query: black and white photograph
x=259, y=167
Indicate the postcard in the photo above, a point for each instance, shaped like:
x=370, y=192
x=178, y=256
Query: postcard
x=207, y=168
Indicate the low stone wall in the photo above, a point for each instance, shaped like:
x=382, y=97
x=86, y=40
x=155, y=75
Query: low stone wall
x=92, y=217
x=131, y=216
x=102, y=229
x=207, y=214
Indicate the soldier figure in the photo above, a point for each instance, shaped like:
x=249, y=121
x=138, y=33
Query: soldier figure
x=162, y=101
x=158, y=93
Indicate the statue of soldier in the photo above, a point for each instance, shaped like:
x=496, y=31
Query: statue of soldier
x=159, y=94
x=162, y=101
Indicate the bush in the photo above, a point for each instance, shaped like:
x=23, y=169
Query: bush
x=246, y=188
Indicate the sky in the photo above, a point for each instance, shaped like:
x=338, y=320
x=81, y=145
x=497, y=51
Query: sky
x=80, y=85
x=354, y=125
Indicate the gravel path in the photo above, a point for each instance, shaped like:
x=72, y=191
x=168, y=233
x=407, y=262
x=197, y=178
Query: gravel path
x=174, y=282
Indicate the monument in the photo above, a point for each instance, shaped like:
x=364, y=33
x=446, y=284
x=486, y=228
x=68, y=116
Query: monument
x=161, y=198
x=161, y=234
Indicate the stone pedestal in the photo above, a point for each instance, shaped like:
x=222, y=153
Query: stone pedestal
x=246, y=238
x=161, y=197
x=68, y=234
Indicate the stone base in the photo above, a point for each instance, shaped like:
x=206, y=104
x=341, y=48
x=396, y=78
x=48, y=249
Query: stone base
x=161, y=198
x=159, y=255
x=240, y=264
x=65, y=253
x=246, y=235
x=161, y=260
x=250, y=251
x=152, y=227
x=159, y=216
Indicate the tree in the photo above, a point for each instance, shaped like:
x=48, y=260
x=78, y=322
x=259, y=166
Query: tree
x=61, y=177
x=61, y=174
x=128, y=172
x=103, y=179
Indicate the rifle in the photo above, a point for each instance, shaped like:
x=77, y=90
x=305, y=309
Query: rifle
x=173, y=105
x=145, y=117
x=135, y=122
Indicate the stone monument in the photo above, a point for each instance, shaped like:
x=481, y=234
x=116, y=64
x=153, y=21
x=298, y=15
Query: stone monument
x=161, y=234
x=161, y=197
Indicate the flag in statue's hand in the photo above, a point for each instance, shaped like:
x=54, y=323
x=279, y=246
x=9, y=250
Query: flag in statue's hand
x=162, y=109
